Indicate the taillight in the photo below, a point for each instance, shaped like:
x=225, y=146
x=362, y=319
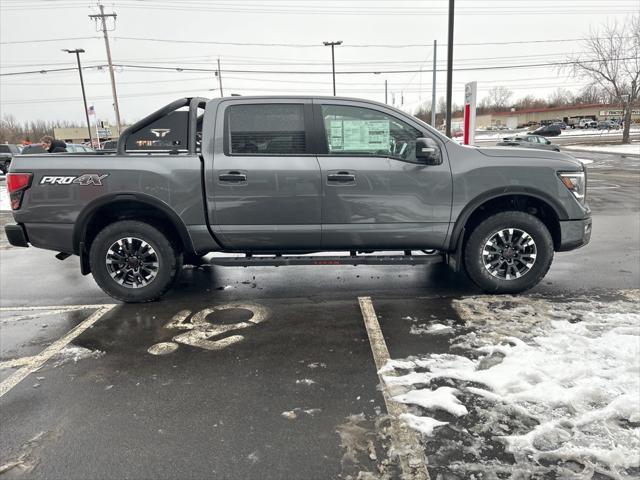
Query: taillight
x=17, y=183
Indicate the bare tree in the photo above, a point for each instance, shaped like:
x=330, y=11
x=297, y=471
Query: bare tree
x=423, y=112
x=498, y=98
x=561, y=96
x=611, y=62
x=529, y=101
x=11, y=131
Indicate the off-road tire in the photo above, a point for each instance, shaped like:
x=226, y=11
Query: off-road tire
x=485, y=230
x=169, y=260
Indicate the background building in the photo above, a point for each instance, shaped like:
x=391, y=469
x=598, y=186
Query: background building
x=569, y=114
x=79, y=135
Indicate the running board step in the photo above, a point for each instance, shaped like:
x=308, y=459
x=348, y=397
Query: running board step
x=283, y=260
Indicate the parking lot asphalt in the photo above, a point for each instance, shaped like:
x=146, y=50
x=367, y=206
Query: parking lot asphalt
x=278, y=378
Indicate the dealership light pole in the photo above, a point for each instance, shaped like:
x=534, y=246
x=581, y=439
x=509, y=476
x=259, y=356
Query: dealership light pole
x=333, y=62
x=433, y=87
x=78, y=51
x=449, y=69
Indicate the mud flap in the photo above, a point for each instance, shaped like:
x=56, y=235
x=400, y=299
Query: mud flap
x=454, y=259
x=85, y=267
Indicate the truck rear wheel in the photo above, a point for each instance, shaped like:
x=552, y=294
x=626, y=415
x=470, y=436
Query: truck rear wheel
x=508, y=252
x=133, y=261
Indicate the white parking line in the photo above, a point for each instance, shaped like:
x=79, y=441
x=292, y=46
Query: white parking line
x=412, y=460
x=38, y=360
x=60, y=308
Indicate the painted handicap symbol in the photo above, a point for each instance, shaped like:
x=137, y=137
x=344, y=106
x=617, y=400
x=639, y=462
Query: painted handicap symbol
x=201, y=333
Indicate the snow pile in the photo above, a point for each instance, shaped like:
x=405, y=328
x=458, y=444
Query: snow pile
x=73, y=353
x=5, y=203
x=424, y=425
x=433, y=329
x=443, y=398
x=551, y=388
x=623, y=149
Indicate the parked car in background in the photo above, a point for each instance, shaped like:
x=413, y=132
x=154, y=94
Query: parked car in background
x=587, y=123
x=547, y=131
x=608, y=125
x=7, y=151
x=78, y=148
x=562, y=125
x=109, y=145
x=33, y=148
x=529, y=141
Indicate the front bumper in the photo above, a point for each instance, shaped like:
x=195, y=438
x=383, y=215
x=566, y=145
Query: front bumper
x=16, y=235
x=574, y=234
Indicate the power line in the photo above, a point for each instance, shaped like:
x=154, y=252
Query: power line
x=43, y=40
x=296, y=45
x=252, y=61
x=527, y=80
x=283, y=91
x=314, y=72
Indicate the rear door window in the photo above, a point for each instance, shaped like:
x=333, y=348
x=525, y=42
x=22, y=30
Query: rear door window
x=266, y=129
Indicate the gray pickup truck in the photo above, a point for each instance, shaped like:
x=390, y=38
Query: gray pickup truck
x=292, y=181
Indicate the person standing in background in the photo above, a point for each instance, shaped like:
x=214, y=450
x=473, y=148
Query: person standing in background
x=52, y=145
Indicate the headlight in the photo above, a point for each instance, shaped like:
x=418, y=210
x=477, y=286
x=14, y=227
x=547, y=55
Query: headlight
x=576, y=183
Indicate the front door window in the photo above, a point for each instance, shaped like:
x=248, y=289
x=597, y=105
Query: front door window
x=357, y=131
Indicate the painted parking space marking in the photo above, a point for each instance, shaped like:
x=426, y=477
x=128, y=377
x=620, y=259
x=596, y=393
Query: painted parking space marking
x=201, y=333
x=31, y=364
x=57, y=308
x=412, y=460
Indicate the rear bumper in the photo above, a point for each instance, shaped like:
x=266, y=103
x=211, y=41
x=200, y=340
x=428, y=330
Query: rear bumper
x=574, y=234
x=16, y=235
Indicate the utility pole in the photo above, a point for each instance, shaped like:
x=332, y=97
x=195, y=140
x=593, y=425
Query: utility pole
x=102, y=16
x=78, y=51
x=449, y=68
x=385, y=91
x=333, y=62
x=433, y=87
x=220, y=78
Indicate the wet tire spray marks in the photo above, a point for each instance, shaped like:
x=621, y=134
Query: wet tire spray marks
x=29, y=456
x=404, y=440
x=55, y=348
x=532, y=388
x=201, y=333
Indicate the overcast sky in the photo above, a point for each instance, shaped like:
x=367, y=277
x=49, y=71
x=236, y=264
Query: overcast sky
x=155, y=33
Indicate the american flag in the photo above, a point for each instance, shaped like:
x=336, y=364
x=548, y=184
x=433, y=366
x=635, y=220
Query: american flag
x=91, y=110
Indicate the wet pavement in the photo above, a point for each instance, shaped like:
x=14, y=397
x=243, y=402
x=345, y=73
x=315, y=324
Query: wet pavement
x=262, y=373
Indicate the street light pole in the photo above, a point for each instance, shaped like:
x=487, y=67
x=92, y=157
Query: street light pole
x=333, y=62
x=449, y=68
x=78, y=51
x=433, y=87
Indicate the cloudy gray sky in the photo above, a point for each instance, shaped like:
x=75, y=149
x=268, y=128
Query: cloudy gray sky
x=255, y=40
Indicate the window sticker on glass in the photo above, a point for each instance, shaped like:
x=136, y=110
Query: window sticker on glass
x=336, y=134
x=360, y=135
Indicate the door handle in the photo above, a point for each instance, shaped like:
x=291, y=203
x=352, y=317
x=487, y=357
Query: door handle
x=341, y=177
x=233, y=177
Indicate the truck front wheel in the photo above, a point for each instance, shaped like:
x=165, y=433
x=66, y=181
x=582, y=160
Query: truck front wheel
x=508, y=252
x=133, y=261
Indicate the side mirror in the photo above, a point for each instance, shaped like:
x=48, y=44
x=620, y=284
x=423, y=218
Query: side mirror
x=548, y=142
x=428, y=151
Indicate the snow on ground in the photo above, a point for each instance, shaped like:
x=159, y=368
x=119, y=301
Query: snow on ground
x=627, y=149
x=5, y=204
x=499, y=134
x=536, y=388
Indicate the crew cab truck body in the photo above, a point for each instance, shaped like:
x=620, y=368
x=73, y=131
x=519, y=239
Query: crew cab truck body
x=288, y=176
